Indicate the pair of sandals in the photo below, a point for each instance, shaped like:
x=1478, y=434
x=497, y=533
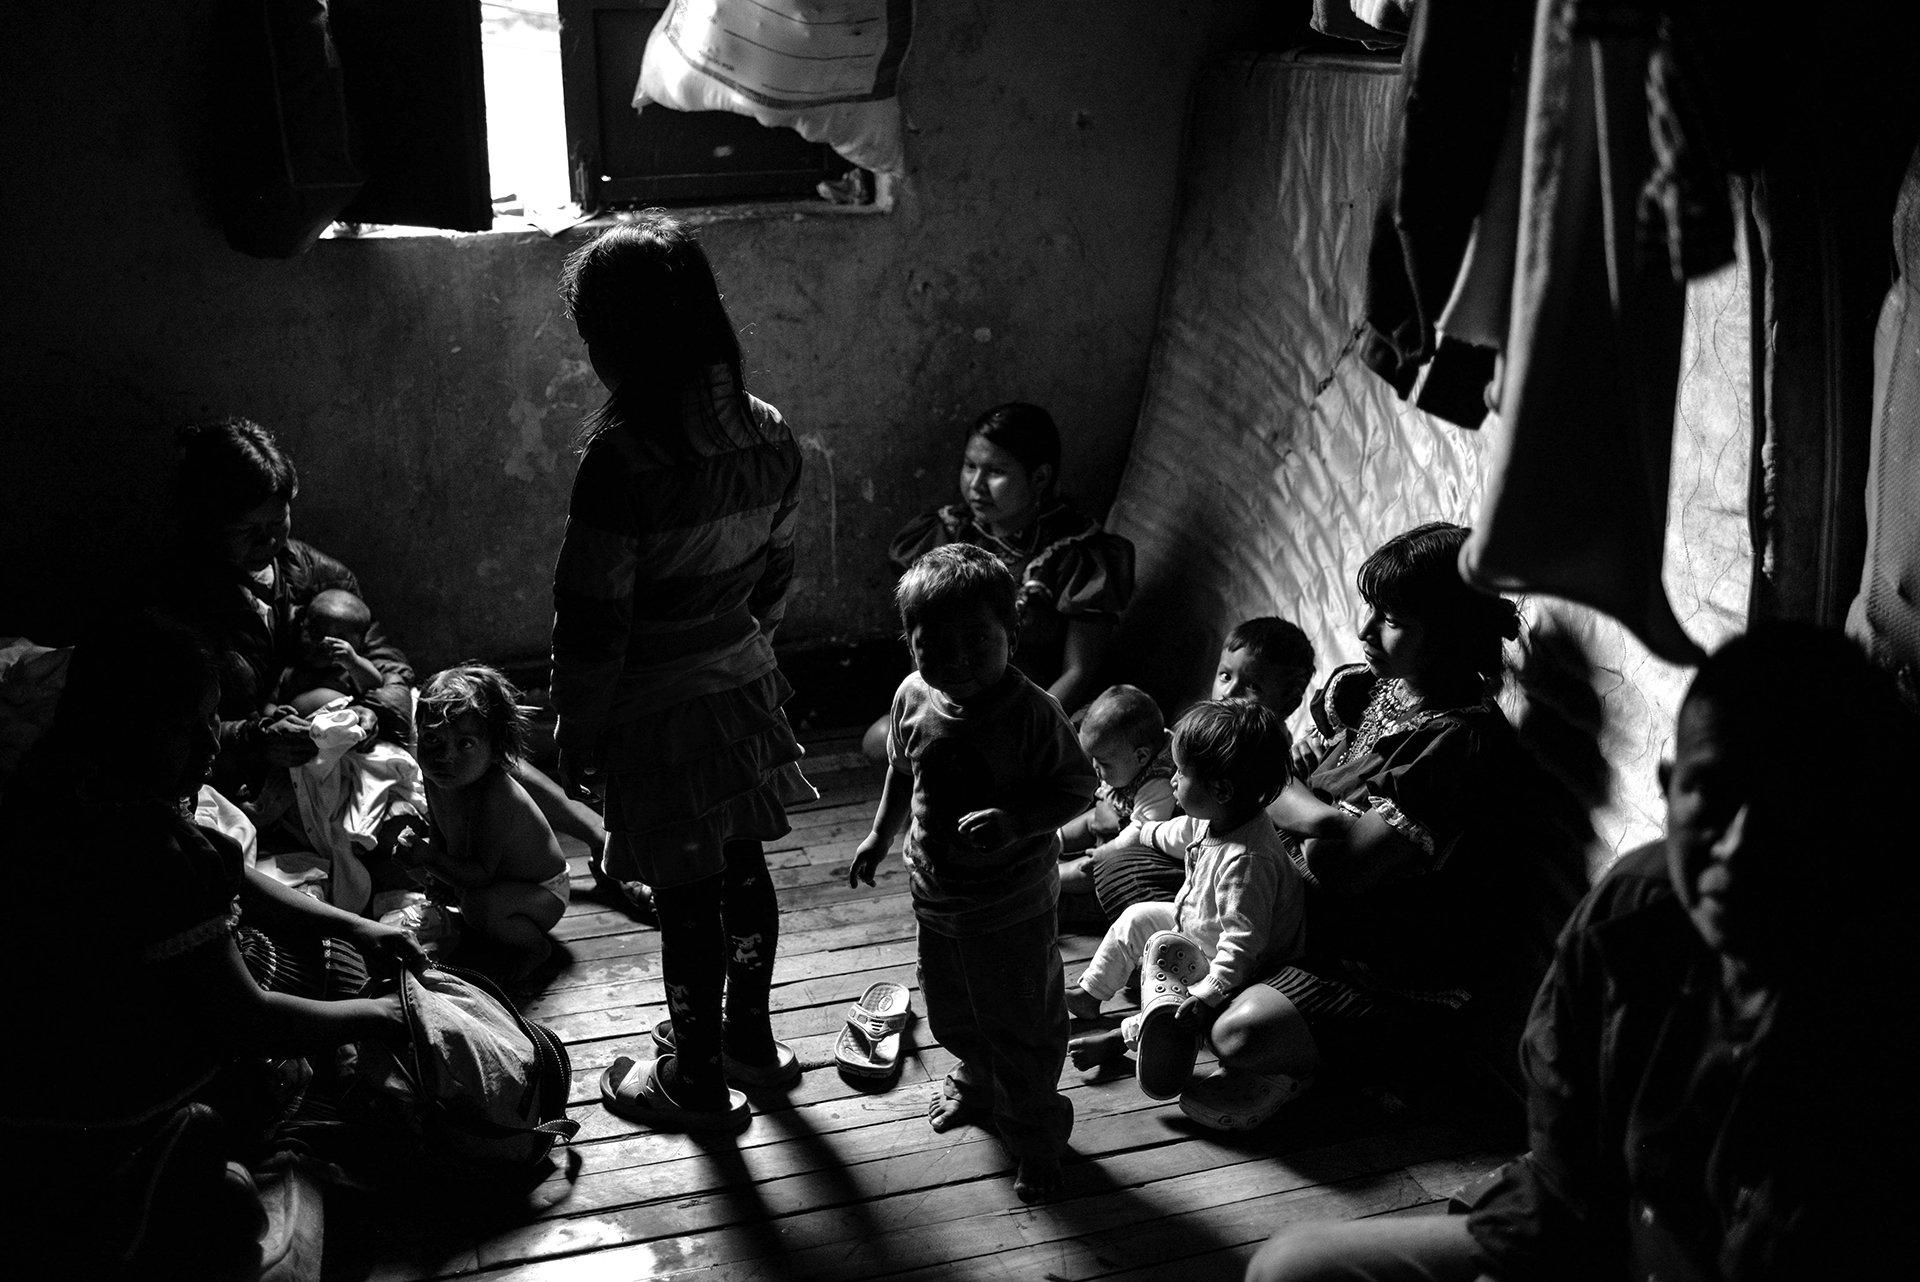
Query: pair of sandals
x=635, y=1089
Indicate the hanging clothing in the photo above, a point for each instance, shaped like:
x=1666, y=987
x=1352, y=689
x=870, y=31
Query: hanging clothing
x=1458, y=79
x=1576, y=497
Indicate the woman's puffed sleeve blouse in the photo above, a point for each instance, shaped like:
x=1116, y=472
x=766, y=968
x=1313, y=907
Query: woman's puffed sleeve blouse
x=1068, y=564
x=1430, y=777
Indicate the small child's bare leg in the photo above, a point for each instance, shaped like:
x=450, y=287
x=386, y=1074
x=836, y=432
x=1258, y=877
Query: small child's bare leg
x=1093, y=1050
x=1082, y=1004
x=1037, y=1178
x=308, y=702
x=515, y=913
x=563, y=814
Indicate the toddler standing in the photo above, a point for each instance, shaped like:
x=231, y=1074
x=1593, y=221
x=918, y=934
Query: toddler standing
x=1125, y=737
x=985, y=766
x=488, y=838
x=1239, y=910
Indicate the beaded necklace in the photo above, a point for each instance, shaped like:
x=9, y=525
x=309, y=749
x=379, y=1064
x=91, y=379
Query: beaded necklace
x=1010, y=551
x=1391, y=708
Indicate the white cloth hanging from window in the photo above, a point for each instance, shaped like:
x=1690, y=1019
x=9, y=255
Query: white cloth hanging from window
x=826, y=68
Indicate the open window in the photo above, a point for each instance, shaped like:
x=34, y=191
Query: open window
x=620, y=159
x=418, y=96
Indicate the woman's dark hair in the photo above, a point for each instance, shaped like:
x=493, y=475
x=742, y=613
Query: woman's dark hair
x=643, y=295
x=1025, y=431
x=1417, y=574
x=1244, y=743
x=227, y=467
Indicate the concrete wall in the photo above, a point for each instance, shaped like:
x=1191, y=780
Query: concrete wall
x=428, y=387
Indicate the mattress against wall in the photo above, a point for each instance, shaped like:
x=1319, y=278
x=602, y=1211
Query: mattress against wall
x=1268, y=461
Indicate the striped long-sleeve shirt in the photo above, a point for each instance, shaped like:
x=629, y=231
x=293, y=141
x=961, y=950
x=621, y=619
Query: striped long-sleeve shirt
x=678, y=553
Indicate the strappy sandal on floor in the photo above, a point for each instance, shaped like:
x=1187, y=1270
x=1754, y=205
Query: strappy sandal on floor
x=784, y=1071
x=1230, y=1100
x=632, y=1089
x=869, y=1044
x=632, y=897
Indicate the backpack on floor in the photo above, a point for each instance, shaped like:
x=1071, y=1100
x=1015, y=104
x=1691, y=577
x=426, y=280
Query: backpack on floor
x=478, y=1091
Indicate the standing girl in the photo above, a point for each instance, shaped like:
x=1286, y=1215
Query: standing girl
x=671, y=579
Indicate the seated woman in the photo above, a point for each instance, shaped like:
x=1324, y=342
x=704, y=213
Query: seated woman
x=1412, y=832
x=1074, y=577
x=1714, y=1090
x=248, y=588
x=119, y=928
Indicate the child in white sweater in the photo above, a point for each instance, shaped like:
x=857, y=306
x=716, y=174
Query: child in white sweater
x=1238, y=912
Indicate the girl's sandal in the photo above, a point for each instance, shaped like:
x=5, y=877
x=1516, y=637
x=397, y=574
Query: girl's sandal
x=634, y=897
x=784, y=1071
x=633, y=1089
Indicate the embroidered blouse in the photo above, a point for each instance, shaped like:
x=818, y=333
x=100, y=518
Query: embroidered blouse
x=1066, y=565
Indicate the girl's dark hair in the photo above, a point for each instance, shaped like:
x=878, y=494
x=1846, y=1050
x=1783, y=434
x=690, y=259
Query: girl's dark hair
x=643, y=294
x=174, y=667
x=480, y=689
x=227, y=467
x=1025, y=431
x=1417, y=574
x=1244, y=743
x=956, y=574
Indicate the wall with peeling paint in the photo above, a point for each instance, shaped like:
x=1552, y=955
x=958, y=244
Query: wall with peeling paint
x=428, y=387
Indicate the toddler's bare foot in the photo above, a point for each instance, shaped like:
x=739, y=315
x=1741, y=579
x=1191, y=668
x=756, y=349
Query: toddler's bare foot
x=948, y=1111
x=1091, y=1050
x=1037, y=1179
x=1082, y=1004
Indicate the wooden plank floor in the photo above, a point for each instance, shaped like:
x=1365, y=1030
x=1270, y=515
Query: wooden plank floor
x=835, y=1180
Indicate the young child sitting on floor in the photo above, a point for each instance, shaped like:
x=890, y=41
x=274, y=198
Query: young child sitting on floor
x=986, y=766
x=1125, y=737
x=1239, y=911
x=1267, y=661
x=488, y=839
x=332, y=633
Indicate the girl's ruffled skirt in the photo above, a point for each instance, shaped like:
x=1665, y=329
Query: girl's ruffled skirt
x=684, y=781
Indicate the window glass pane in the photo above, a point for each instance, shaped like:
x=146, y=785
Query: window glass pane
x=526, y=125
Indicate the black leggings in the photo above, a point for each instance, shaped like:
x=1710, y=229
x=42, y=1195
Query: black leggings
x=717, y=936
